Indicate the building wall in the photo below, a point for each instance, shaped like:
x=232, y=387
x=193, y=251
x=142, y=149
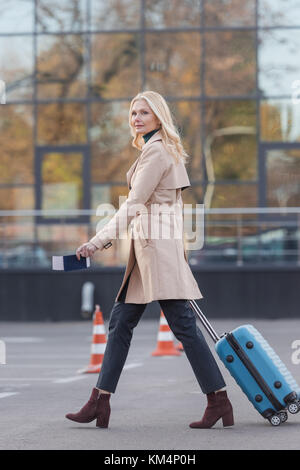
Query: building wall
x=237, y=293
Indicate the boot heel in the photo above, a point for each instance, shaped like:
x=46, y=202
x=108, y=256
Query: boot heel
x=103, y=410
x=102, y=422
x=227, y=419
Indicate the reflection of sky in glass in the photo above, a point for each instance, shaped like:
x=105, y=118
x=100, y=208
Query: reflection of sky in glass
x=16, y=16
x=279, y=61
x=279, y=12
x=65, y=15
x=16, y=65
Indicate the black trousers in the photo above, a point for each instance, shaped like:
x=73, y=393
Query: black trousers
x=182, y=321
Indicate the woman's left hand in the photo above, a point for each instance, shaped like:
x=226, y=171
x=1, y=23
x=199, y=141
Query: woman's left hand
x=85, y=250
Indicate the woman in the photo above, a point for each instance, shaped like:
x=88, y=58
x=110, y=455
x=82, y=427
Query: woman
x=157, y=268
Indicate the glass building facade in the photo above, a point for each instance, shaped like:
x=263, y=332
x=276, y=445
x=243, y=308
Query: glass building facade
x=230, y=71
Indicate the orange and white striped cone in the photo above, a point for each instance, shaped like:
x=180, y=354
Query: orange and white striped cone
x=98, y=344
x=165, y=344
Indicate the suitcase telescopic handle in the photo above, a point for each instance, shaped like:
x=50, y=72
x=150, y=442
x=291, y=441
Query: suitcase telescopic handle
x=213, y=334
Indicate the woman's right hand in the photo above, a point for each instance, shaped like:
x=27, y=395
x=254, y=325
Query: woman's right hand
x=86, y=250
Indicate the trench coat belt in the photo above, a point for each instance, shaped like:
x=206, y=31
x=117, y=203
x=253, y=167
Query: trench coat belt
x=149, y=213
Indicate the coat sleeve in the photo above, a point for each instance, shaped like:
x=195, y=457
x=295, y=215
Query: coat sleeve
x=149, y=172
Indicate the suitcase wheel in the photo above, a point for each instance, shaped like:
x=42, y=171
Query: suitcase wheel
x=294, y=407
x=283, y=416
x=275, y=420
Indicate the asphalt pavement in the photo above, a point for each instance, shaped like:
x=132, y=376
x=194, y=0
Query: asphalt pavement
x=156, y=398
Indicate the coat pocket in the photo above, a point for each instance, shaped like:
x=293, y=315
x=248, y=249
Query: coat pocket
x=140, y=230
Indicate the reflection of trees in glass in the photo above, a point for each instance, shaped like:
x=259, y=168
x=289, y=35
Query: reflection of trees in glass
x=230, y=195
x=279, y=121
x=62, y=180
x=115, y=14
x=229, y=13
x=60, y=66
x=233, y=154
x=283, y=178
x=16, y=156
x=278, y=12
x=115, y=65
x=230, y=145
x=166, y=14
x=61, y=15
x=172, y=66
x=112, y=153
x=61, y=123
x=16, y=198
x=230, y=63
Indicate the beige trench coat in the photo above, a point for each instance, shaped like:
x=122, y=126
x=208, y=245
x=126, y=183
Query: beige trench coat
x=154, y=211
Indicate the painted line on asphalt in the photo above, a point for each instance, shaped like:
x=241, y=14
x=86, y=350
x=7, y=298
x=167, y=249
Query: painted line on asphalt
x=22, y=339
x=133, y=365
x=66, y=380
x=8, y=394
x=24, y=379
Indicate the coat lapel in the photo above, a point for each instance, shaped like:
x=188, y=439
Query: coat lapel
x=129, y=174
x=131, y=171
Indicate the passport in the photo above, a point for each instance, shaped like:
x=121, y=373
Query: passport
x=70, y=263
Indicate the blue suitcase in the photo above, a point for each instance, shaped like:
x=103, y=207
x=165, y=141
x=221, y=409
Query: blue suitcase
x=257, y=369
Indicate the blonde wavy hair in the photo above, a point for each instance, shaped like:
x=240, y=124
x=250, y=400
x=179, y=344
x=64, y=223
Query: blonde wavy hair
x=170, y=135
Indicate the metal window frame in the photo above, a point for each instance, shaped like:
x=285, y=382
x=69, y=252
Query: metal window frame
x=40, y=151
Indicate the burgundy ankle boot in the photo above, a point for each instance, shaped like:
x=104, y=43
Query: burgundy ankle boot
x=218, y=406
x=97, y=407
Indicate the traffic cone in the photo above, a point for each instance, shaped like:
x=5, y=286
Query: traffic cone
x=98, y=344
x=165, y=344
x=179, y=347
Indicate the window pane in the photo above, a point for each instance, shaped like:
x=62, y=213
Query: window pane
x=16, y=67
x=115, y=14
x=15, y=229
x=112, y=152
x=115, y=65
x=100, y=194
x=187, y=118
x=230, y=13
x=60, y=123
x=279, y=12
x=170, y=70
x=178, y=13
x=280, y=121
x=61, y=69
x=16, y=198
x=193, y=195
x=59, y=239
x=230, y=195
x=279, y=61
x=16, y=16
x=283, y=177
x=62, y=186
x=230, y=63
x=61, y=15
x=230, y=147
x=16, y=156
